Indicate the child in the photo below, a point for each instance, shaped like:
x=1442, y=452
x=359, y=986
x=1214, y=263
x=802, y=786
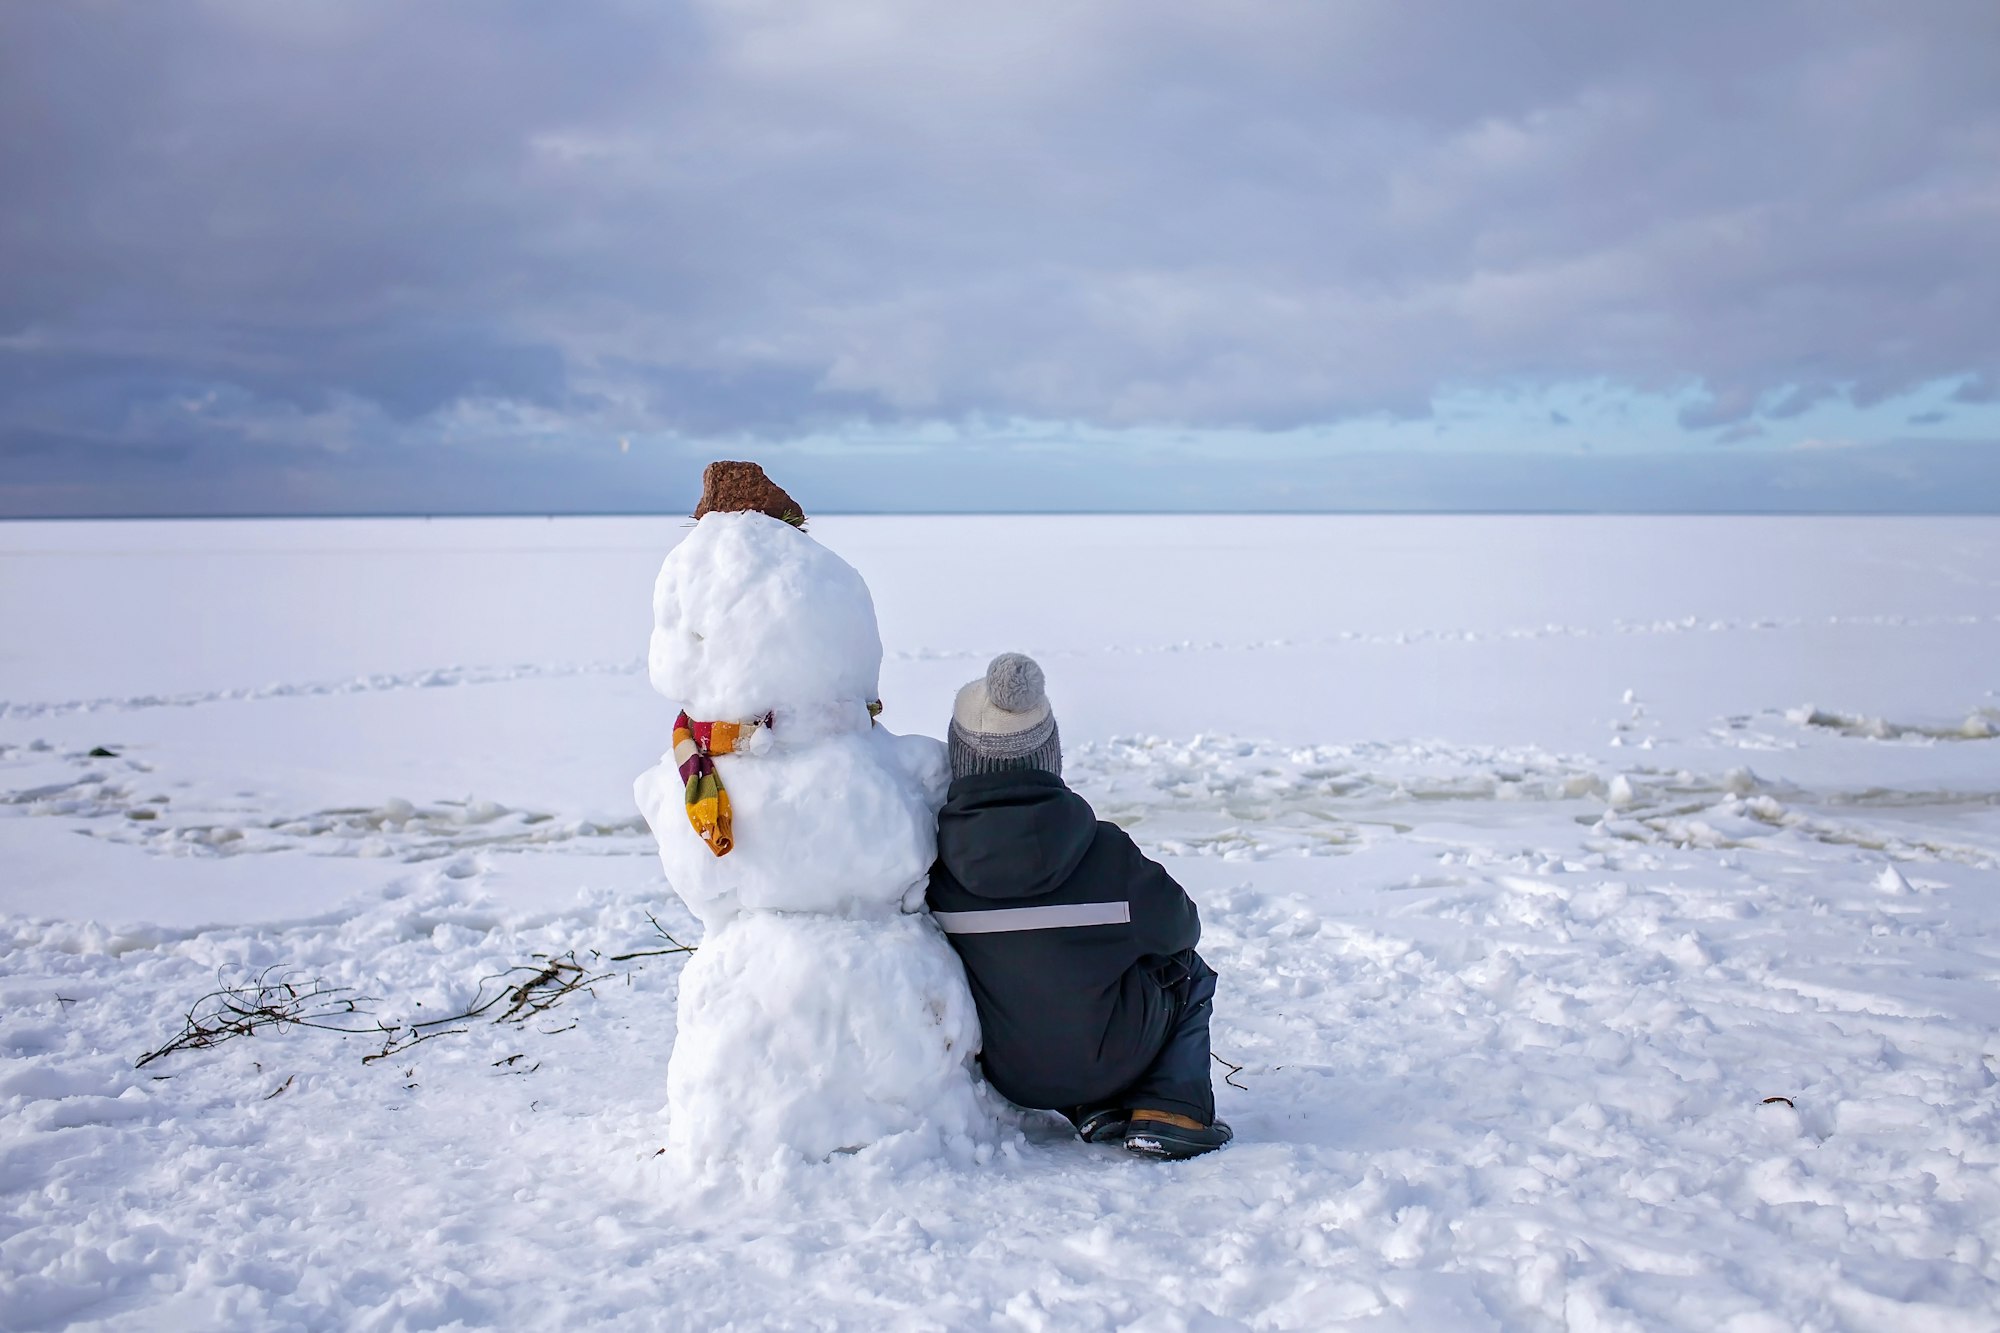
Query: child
x=1080, y=951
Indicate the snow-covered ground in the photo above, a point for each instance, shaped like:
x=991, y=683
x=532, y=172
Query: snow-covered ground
x=1539, y=857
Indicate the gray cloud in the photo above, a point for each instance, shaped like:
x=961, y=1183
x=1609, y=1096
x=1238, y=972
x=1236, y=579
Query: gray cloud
x=316, y=225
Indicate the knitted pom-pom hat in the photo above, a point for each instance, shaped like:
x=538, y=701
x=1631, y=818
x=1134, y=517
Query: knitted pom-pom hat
x=1002, y=721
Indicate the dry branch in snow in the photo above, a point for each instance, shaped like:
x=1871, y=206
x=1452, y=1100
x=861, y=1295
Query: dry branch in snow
x=268, y=1000
x=275, y=999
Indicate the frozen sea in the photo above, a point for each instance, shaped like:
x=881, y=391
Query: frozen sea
x=1606, y=909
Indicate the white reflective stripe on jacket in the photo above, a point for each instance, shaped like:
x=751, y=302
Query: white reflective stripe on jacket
x=1005, y=919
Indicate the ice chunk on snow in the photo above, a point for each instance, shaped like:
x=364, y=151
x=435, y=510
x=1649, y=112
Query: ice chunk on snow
x=1766, y=808
x=1582, y=784
x=1891, y=881
x=480, y=811
x=822, y=1035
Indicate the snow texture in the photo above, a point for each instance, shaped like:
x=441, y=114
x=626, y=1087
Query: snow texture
x=825, y=1013
x=835, y=823
x=1718, y=1055
x=819, y=1035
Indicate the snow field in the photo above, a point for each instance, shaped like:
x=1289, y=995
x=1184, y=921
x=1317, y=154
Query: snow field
x=1518, y=934
x=1522, y=1099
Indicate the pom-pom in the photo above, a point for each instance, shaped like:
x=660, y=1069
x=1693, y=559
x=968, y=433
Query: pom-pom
x=1014, y=683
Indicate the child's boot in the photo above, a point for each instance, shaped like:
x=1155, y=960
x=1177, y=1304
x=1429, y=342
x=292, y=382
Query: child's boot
x=1169, y=1134
x=1098, y=1123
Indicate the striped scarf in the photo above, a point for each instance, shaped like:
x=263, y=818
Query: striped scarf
x=695, y=746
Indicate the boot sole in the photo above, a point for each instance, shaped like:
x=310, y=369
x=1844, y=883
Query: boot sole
x=1170, y=1146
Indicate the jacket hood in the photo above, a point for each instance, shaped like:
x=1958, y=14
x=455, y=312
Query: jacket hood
x=1013, y=835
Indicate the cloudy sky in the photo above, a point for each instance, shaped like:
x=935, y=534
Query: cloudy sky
x=362, y=256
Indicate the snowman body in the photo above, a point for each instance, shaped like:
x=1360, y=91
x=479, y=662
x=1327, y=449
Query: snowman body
x=823, y=1011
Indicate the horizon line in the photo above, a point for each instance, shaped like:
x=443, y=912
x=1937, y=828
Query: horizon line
x=430, y=515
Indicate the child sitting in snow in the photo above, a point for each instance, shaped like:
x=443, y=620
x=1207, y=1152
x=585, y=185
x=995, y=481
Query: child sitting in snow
x=1079, y=950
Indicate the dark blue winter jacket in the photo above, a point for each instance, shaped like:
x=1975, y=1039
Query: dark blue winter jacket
x=1065, y=929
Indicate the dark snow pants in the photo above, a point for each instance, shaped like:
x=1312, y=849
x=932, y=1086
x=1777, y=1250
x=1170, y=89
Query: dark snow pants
x=1177, y=1080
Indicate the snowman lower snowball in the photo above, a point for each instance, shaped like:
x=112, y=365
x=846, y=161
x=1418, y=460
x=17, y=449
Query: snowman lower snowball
x=823, y=1012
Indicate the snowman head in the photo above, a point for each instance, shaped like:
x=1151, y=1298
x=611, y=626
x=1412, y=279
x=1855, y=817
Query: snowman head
x=750, y=615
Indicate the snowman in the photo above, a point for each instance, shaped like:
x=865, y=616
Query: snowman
x=823, y=1012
